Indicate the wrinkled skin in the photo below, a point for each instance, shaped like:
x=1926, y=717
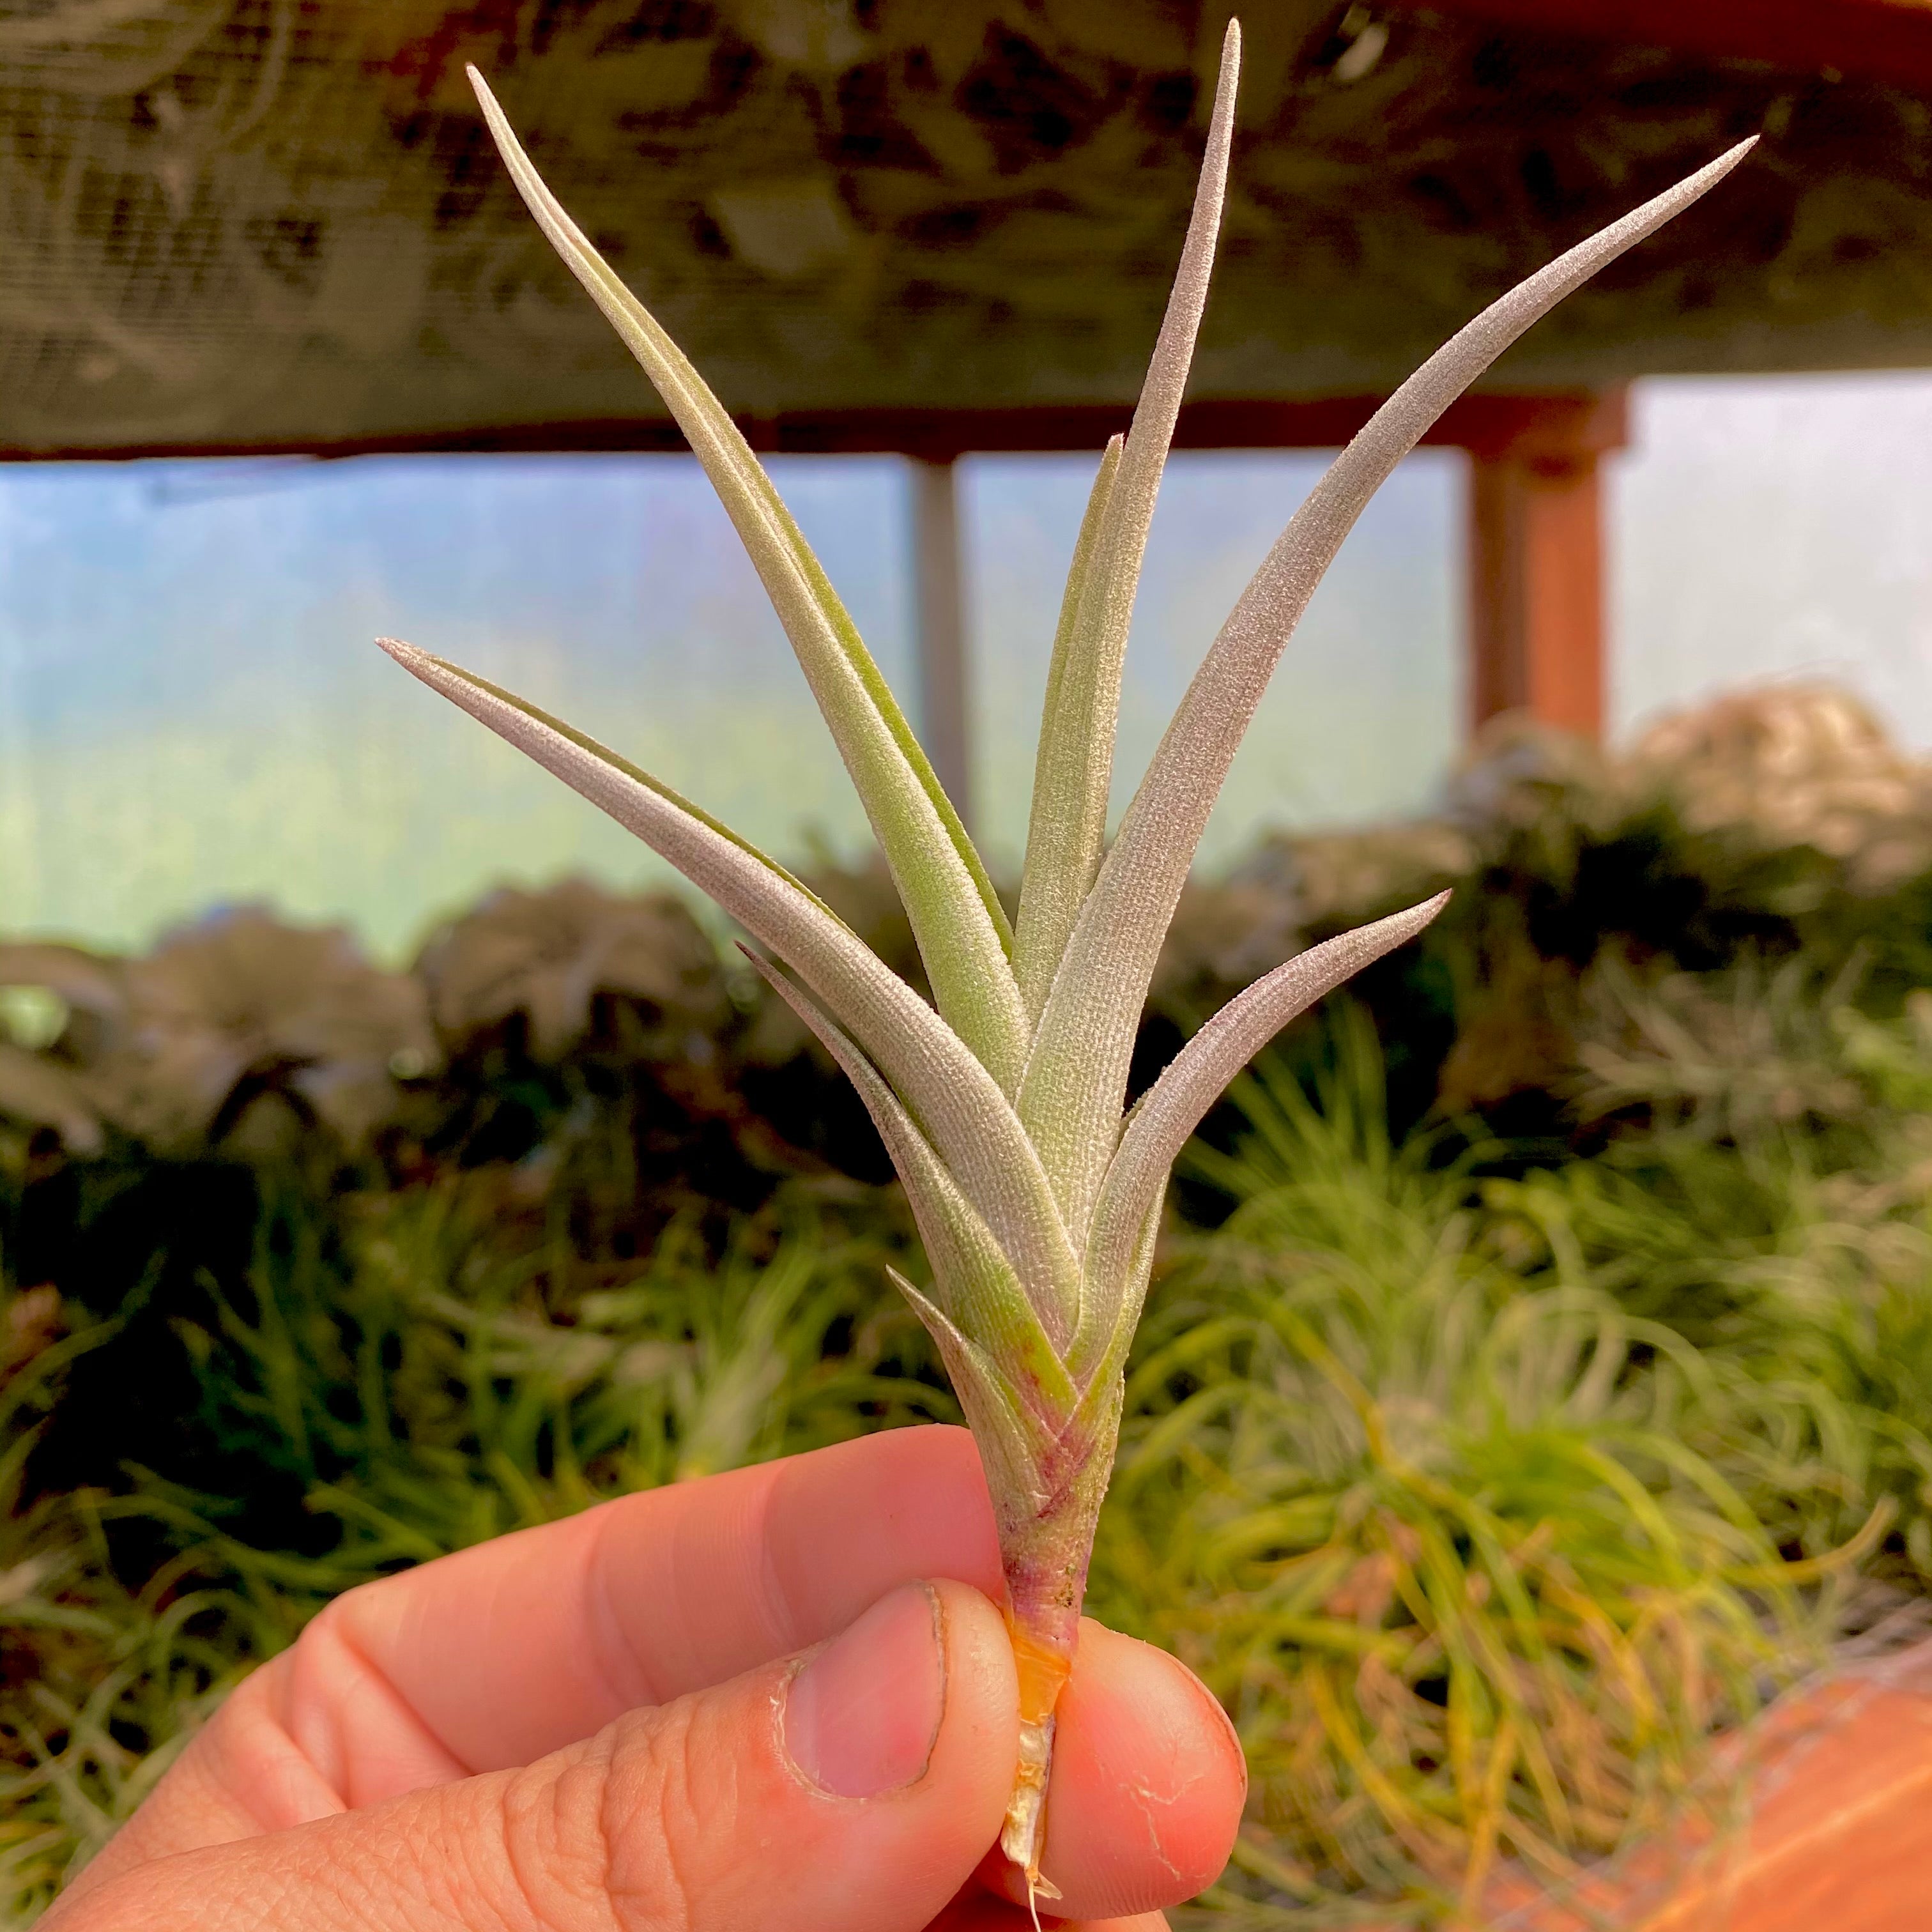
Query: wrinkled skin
x=585, y=1728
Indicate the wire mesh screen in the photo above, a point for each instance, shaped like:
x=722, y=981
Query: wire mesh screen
x=244, y=222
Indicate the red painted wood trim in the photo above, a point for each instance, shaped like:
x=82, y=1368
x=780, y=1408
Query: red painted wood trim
x=1536, y=590
x=1889, y=40
x=1818, y=1820
x=1554, y=424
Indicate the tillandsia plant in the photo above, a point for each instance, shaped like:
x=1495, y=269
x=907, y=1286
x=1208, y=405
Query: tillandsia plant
x=1001, y=1102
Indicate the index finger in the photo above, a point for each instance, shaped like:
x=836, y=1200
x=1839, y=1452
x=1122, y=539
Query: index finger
x=521, y=1646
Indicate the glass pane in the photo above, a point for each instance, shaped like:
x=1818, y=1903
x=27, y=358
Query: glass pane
x=196, y=712
x=1776, y=526
x=1363, y=714
x=192, y=713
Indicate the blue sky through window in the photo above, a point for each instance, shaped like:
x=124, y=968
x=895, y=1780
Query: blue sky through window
x=195, y=714
x=191, y=712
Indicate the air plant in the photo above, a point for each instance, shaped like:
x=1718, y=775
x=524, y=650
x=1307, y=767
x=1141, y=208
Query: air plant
x=1001, y=1102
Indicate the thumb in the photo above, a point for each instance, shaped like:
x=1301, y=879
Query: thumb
x=854, y=1790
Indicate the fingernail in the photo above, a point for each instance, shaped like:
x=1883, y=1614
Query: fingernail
x=861, y=1717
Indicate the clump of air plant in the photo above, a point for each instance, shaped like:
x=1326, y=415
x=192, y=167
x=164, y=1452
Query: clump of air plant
x=544, y=957
x=239, y=1030
x=1798, y=765
x=1001, y=1103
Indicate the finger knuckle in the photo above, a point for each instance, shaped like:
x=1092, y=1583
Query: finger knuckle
x=669, y=1799
x=556, y=1856
x=613, y=1839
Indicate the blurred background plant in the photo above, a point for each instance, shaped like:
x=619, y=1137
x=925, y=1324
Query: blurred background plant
x=1538, y=1379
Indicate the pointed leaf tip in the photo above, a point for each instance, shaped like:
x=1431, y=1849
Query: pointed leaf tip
x=1198, y=1075
x=956, y=916
x=1077, y=1071
x=957, y=1101
x=1073, y=768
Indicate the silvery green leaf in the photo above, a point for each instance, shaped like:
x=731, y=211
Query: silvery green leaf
x=1022, y=1317
x=1171, y=1109
x=955, y=914
x=1076, y=1075
x=1112, y=1309
x=1014, y=1446
x=948, y=1092
x=1074, y=772
x=1040, y=932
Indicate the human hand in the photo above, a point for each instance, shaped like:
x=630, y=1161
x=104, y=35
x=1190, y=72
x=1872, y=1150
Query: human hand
x=779, y=1700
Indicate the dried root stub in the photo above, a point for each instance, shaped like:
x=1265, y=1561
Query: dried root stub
x=1042, y=1674
x=1002, y=1102
x=1044, y=1555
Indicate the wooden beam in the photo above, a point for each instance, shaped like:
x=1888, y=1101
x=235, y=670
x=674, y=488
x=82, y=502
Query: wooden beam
x=945, y=709
x=1492, y=424
x=1888, y=41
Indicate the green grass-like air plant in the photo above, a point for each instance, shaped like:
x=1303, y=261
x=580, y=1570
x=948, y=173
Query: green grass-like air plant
x=1036, y=1199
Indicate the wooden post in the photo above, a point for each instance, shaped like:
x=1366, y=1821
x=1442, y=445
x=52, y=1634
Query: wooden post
x=944, y=722
x=1536, y=592
x=1536, y=567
